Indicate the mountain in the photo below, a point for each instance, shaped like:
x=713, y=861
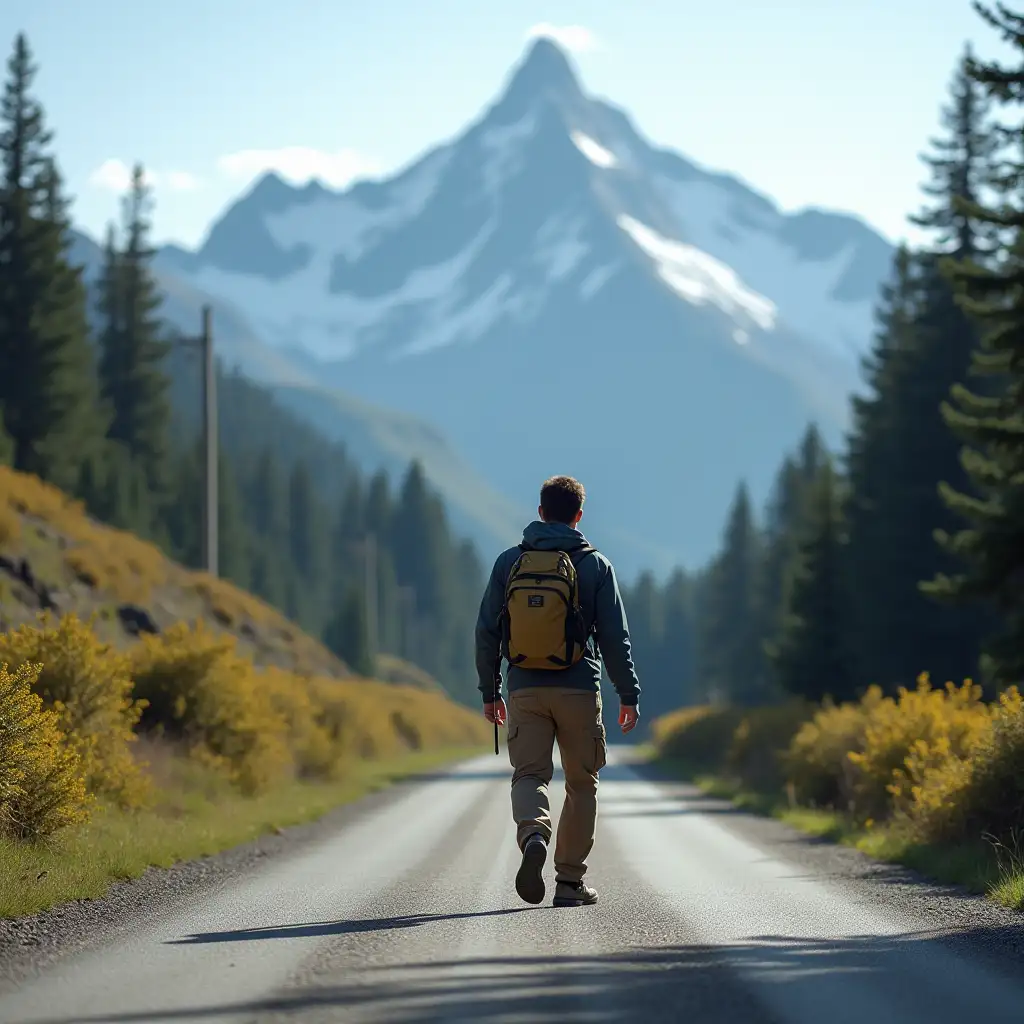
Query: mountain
x=554, y=293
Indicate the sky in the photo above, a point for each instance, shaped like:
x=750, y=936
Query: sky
x=821, y=103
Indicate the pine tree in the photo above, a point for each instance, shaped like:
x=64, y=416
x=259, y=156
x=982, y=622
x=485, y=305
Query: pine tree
x=677, y=649
x=302, y=522
x=811, y=456
x=883, y=540
x=267, y=500
x=730, y=659
x=233, y=543
x=133, y=380
x=115, y=491
x=991, y=547
x=6, y=446
x=810, y=658
x=47, y=387
x=902, y=451
x=784, y=521
x=347, y=634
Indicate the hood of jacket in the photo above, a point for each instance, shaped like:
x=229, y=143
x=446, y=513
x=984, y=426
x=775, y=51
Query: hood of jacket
x=552, y=537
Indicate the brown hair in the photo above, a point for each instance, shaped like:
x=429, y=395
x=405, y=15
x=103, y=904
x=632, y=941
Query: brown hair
x=561, y=497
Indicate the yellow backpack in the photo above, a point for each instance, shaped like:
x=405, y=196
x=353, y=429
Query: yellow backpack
x=542, y=625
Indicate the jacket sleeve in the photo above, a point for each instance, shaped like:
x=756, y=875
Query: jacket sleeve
x=613, y=638
x=488, y=636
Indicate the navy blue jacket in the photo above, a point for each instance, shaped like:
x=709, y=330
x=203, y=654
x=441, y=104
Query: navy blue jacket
x=600, y=602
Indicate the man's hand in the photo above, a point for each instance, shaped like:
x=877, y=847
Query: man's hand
x=496, y=712
x=627, y=717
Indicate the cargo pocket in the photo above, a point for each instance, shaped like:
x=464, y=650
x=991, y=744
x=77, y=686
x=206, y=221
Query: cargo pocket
x=513, y=733
x=600, y=754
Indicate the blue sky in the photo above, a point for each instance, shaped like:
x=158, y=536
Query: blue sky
x=814, y=102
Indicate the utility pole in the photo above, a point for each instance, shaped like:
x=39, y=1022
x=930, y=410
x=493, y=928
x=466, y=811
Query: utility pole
x=211, y=504
x=204, y=342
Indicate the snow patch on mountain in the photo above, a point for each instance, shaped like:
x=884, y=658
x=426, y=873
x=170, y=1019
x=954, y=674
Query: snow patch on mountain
x=700, y=278
x=593, y=150
x=502, y=145
x=345, y=226
x=560, y=248
x=450, y=324
x=746, y=239
x=301, y=310
x=597, y=279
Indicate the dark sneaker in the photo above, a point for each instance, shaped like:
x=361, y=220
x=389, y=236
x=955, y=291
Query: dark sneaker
x=574, y=894
x=530, y=878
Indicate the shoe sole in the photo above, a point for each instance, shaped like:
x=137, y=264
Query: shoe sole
x=530, y=878
x=563, y=902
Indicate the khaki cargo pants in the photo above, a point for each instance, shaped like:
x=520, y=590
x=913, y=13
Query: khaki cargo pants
x=538, y=717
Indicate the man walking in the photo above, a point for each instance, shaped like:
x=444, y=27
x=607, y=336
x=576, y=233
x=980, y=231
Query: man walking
x=546, y=602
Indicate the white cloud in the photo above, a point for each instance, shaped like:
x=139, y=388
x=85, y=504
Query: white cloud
x=574, y=38
x=299, y=164
x=115, y=176
x=181, y=181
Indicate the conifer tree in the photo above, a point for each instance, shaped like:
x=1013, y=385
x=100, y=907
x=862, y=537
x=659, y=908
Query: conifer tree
x=233, y=557
x=811, y=657
x=267, y=500
x=991, y=546
x=347, y=634
x=783, y=521
x=6, y=447
x=47, y=385
x=901, y=450
x=731, y=664
x=133, y=381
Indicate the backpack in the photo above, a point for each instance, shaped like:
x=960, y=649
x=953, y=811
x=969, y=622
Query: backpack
x=541, y=622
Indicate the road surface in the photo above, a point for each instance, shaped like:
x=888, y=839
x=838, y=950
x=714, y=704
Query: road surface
x=408, y=914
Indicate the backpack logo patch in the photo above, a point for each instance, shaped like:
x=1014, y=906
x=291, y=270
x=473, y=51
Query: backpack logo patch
x=535, y=601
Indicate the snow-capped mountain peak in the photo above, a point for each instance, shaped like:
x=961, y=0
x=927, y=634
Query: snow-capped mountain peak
x=552, y=235
x=332, y=273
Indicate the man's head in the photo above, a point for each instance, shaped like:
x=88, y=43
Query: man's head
x=561, y=500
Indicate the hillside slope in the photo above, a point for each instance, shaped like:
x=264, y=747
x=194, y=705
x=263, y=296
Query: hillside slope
x=55, y=558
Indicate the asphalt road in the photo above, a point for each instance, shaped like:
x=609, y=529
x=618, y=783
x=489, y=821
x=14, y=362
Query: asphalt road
x=408, y=914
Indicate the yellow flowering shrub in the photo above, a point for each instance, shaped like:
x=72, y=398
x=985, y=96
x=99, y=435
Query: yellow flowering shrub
x=965, y=797
x=199, y=689
x=906, y=735
x=42, y=787
x=89, y=685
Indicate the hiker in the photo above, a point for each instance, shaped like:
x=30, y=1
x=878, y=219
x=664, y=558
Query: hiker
x=546, y=602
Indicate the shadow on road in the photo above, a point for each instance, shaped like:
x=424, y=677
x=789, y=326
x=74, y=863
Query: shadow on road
x=320, y=929
x=667, y=983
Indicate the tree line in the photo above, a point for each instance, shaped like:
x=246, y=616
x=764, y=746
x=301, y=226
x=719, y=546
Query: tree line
x=97, y=399
x=904, y=552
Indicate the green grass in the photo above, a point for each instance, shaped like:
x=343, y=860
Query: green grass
x=979, y=867
x=194, y=815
